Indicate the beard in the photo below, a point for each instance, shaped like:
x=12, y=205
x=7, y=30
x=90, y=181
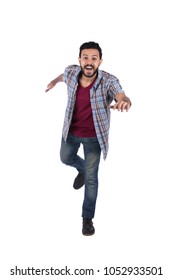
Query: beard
x=88, y=75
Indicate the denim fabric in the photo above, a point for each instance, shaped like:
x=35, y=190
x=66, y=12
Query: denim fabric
x=88, y=166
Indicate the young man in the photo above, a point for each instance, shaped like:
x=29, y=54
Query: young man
x=87, y=120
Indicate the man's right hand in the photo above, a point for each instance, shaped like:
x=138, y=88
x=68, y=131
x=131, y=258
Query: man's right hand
x=50, y=86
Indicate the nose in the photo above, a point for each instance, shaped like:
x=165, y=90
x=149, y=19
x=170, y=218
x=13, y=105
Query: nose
x=90, y=61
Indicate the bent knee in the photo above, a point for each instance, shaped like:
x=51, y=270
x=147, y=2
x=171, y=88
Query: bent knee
x=65, y=159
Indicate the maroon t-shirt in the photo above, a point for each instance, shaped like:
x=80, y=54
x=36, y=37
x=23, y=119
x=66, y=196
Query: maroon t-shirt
x=82, y=121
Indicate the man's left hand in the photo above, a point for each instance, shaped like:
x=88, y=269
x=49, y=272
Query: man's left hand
x=121, y=106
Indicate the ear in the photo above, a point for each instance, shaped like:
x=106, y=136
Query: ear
x=101, y=60
x=79, y=59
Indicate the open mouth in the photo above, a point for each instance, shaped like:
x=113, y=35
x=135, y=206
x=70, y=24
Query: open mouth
x=89, y=68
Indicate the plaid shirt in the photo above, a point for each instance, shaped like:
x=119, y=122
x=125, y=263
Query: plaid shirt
x=102, y=94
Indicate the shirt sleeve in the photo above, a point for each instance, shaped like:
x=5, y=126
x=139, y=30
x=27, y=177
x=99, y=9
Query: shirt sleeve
x=115, y=87
x=69, y=73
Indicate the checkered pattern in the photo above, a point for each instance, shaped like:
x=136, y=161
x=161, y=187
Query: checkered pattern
x=102, y=94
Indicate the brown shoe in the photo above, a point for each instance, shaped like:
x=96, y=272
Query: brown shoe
x=79, y=181
x=88, y=228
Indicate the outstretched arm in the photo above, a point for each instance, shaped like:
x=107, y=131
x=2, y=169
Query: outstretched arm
x=122, y=102
x=54, y=82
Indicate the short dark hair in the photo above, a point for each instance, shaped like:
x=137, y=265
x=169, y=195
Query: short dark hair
x=90, y=45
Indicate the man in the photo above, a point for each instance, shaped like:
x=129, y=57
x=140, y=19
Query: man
x=87, y=119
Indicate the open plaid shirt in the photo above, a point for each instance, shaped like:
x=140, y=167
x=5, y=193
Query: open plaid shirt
x=102, y=94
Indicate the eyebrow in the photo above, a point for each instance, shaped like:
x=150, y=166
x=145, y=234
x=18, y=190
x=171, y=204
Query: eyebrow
x=92, y=55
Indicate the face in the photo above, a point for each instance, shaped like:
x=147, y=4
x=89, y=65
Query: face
x=89, y=62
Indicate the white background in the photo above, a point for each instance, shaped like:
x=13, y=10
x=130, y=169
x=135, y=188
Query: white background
x=40, y=212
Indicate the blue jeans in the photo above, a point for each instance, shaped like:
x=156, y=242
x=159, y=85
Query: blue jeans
x=88, y=166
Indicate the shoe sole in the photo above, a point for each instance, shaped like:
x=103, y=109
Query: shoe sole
x=88, y=234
